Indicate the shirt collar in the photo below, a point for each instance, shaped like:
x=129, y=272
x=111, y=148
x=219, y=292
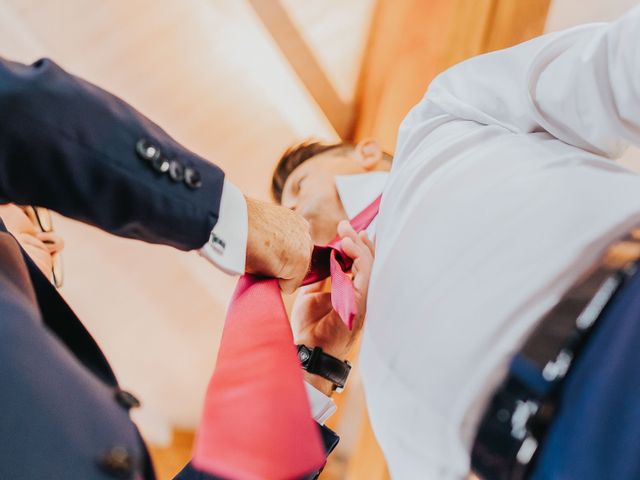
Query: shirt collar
x=357, y=192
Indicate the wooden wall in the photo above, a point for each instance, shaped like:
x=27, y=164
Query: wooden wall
x=411, y=41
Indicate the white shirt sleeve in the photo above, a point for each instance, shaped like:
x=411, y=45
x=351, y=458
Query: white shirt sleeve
x=227, y=245
x=581, y=85
x=322, y=407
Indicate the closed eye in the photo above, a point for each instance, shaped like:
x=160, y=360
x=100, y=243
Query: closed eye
x=299, y=183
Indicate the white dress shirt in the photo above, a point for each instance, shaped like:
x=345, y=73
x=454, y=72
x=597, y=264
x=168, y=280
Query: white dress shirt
x=502, y=193
x=357, y=192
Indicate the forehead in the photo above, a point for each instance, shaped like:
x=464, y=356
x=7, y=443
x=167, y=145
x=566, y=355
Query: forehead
x=330, y=162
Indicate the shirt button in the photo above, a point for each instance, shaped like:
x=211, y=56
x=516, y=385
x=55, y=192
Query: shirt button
x=117, y=462
x=146, y=150
x=192, y=178
x=176, y=171
x=160, y=164
x=126, y=399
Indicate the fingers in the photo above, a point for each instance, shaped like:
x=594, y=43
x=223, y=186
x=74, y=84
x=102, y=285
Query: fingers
x=312, y=288
x=360, y=248
x=321, y=303
x=278, y=244
x=289, y=286
x=355, y=245
x=346, y=230
x=314, y=302
x=310, y=309
x=53, y=241
x=358, y=323
x=296, y=268
x=38, y=252
x=350, y=248
x=349, y=243
x=365, y=239
x=31, y=240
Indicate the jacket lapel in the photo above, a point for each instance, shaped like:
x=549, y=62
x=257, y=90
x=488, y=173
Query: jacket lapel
x=28, y=280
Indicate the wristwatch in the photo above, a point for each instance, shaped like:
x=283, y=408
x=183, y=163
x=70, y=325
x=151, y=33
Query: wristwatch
x=315, y=361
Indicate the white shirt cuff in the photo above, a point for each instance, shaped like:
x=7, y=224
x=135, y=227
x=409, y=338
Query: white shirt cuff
x=322, y=407
x=227, y=245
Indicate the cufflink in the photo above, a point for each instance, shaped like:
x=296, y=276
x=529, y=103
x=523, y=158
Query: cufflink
x=217, y=243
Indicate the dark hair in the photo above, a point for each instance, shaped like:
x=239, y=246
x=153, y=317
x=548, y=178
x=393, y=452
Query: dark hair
x=294, y=157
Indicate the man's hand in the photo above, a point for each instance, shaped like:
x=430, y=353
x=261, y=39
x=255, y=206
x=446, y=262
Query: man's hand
x=314, y=321
x=278, y=244
x=361, y=250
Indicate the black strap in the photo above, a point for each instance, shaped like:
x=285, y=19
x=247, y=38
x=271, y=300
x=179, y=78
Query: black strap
x=319, y=363
x=522, y=408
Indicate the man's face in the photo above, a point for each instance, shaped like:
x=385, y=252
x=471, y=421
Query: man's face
x=310, y=190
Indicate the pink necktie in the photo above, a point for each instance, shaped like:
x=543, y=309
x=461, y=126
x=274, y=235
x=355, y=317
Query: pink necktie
x=257, y=419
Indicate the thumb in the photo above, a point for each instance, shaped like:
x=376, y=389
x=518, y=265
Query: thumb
x=290, y=285
x=316, y=287
x=321, y=303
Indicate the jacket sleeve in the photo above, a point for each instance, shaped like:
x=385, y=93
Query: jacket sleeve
x=329, y=440
x=70, y=146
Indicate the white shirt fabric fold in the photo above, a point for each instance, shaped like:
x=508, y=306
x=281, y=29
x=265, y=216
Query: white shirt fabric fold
x=502, y=193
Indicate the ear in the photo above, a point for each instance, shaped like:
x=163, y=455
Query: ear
x=369, y=153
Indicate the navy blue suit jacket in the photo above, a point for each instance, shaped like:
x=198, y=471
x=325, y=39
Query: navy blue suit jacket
x=67, y=145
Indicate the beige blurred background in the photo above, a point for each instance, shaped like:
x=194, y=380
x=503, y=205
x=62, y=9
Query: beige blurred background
x=238, y=81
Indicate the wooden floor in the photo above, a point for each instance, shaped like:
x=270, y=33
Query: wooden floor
x=168, y=461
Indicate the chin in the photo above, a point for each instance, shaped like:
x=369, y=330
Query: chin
x=323, y=227
x=324, y=236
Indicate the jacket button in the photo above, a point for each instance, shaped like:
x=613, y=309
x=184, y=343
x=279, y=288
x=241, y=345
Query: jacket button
x=146, y=150
x=176, y=171
x=117, y=462
x=160, y=164
x=192, y=178
x=126, y=399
